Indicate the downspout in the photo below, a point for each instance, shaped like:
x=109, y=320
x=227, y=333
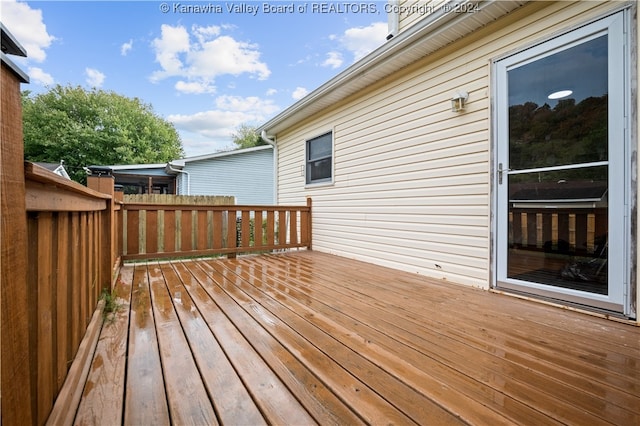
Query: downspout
x=393, y=19
x=170, y=167
x=272, y=142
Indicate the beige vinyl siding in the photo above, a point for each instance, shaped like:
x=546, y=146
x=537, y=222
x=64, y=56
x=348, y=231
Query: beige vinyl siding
x=422, y=8
x=411, y=178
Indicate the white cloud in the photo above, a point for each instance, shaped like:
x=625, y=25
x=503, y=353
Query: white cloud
x=174, y=41
x=224, y=55
x=38, y=76
x=203, y=54
x=203, y=34
x=271, y=92
x=209, y=131
x=194, y=87
x=195, y=144
x=27, y=27
x=362, y=40
x=299, y=93
x=334, y=60
x=213, y=123
x=94, y=77
x=250, y=104
x=126, y=47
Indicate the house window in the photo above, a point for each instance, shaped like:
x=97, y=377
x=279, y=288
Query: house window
x=319, y=159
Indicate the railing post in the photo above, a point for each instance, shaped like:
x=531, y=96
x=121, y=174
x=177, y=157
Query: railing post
x=108, y=242
x=118, y=226
x=309, y=227
x=17, y=403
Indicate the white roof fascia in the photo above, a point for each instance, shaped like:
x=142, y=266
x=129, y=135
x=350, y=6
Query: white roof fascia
x=439, y=29
x=22, y=76
x=223, y=154
x=137, y=166
x=181, y=162
x=11, y=46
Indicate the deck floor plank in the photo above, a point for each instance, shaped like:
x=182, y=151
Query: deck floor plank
x=230, y=398
x=318, y=399
x=348, y=348
x=145, y=397
x=366, y=333
x=307, y=337
x=277, y=404
x=187, y=397
x=342, y=369
x=530, y=389
x=550, y=342
x=103, y=397
x=534, y=390
x=553, y=324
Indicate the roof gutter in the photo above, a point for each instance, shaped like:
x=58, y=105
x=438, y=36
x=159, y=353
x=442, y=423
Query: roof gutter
x=272, y=142
x=393, y=19
x=172, y=169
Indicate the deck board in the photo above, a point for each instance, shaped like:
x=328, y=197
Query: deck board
x=233, y=330
x=454, y=351
x=310, y=338
x=332, y=362
x=231, y=399
x=573, y=357
x=103, y=397
x=186, y=395
x=375, y=332
x=145, y=396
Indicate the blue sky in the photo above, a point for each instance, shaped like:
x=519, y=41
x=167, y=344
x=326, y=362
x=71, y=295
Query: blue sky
x=206, y=66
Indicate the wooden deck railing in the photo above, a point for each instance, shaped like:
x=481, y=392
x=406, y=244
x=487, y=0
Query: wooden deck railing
x=162, y=231
x=69, y=238
x=579, y=231
x=75, y=238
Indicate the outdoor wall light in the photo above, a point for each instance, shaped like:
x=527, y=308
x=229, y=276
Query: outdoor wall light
x=458, y=101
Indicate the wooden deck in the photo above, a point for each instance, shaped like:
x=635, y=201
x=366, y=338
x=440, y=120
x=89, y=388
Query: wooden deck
x=306, y=337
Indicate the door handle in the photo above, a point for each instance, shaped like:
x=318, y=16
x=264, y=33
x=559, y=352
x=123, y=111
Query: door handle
x=501, y=170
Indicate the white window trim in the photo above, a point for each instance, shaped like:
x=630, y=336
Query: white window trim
x=323, y=183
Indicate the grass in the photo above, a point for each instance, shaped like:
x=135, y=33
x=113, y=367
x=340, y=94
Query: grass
x=111, y=305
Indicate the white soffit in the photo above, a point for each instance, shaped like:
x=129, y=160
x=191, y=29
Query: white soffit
x=423, y=38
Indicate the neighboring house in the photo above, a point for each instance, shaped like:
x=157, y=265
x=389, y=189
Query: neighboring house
x=246, y=174
x=56, y=168
x=413, y=154
x=141, y=178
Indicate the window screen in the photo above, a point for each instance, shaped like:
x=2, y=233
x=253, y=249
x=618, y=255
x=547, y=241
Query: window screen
x=319, y=158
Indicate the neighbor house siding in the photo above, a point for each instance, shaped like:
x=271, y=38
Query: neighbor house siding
x=246, y=176
x=412, y=179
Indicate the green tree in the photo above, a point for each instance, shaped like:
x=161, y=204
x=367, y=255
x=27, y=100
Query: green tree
x=246, y=136
x=95, y=127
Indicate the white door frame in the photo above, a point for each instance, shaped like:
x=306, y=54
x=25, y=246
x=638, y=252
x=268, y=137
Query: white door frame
x=619, y=262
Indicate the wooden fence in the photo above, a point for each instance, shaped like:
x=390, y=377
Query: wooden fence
x=202, y=200
x=69, y=232
x=162, y=231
